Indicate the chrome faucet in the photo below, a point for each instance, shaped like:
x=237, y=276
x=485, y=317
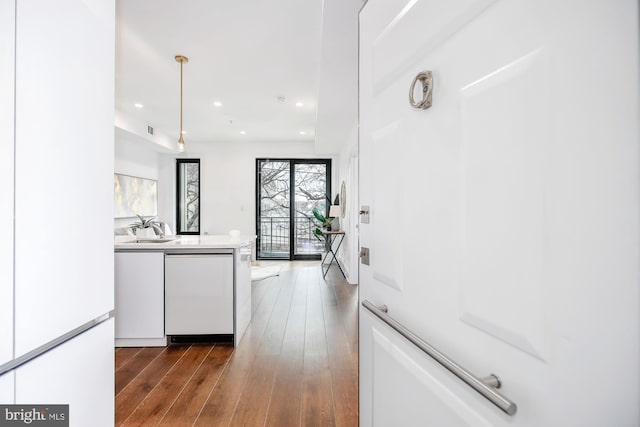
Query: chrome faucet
x=159, y=230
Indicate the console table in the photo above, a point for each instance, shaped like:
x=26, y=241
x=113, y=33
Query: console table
x=331, y=237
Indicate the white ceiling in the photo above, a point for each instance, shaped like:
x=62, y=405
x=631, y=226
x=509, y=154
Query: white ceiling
x=245, y=54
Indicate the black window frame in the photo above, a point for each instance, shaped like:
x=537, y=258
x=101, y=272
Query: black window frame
x=179, y=189
x=292, y=162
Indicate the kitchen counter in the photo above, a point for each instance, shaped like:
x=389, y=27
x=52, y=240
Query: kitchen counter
x=222, y=241
x=182, y=288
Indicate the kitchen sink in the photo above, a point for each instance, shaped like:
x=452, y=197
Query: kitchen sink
x=155, y=239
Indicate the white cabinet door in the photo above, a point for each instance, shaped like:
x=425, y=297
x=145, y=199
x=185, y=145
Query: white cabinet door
x=139, y=297
x=79, y=373
x=242, y=292
x=7, y=388
x=7, y=85
x=63, y=166
x=199, y=294
x=503, y=224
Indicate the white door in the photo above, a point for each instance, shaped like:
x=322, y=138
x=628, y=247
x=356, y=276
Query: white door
x=503, y=225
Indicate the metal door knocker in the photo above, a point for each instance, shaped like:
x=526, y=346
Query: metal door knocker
x=426, y=79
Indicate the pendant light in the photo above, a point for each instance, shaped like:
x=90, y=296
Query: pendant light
x=182, y=60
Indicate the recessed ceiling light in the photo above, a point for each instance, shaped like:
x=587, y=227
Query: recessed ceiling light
x=243, y=132
x=299, y=104
x=302, y=132
x=184, y=132
x=217, y=104
x=138, y=105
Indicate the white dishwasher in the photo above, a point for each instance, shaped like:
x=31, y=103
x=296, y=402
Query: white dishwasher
x=198, y=295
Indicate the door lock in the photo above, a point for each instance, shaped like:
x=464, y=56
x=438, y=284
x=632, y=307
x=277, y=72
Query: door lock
x=364, y=214
x=364, y=255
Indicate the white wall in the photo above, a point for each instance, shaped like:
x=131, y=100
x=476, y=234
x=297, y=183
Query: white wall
x=338, y=80
x=135, y=157
x=347, y=168
x=336, y=129
x=228, y=181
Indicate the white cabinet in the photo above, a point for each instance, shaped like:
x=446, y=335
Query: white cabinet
x=56, y=171
x=78, y=373
x=242, y=292
x=7, y=85
x=7, y=387
x=139, y=295
x=182, y=292
x=199, y=294
x=64, y=109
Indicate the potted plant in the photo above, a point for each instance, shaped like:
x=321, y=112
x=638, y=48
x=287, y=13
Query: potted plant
x=145, y=227
x=324, y=223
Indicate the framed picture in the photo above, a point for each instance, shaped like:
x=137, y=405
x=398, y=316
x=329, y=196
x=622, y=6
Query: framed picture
x=134, y=196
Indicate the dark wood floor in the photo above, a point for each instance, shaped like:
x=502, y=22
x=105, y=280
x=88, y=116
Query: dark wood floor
x=296, y=365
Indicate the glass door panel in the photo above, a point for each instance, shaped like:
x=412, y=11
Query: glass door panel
x=310, y=192
x=274, y=195
x=287, y=192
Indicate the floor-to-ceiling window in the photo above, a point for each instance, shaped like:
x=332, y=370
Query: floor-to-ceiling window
x=287, y=191
x=188, y=196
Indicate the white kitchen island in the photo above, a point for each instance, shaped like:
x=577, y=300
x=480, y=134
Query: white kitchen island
x=187, y=289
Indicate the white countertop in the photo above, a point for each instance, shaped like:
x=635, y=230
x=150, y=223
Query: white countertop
x=206, y=241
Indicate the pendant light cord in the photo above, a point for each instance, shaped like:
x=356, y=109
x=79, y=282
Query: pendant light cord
x=181, y=62
x=181, y=59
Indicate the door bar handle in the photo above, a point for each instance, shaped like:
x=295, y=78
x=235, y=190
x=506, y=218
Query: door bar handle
x=486, y=387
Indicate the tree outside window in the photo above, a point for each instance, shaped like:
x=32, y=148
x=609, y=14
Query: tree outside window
x=188, y=196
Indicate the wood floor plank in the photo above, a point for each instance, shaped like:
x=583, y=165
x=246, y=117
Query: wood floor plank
x=124, y=354
x=187, y=406
x=345, y=395
x=317, y=394
x=286, y=394
x=130, y=397
x=128, y=372
x=253, y=403
x=344, y=375
x=337, y=303
x=347, y=298
x=220, y=406
x=151, y=410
